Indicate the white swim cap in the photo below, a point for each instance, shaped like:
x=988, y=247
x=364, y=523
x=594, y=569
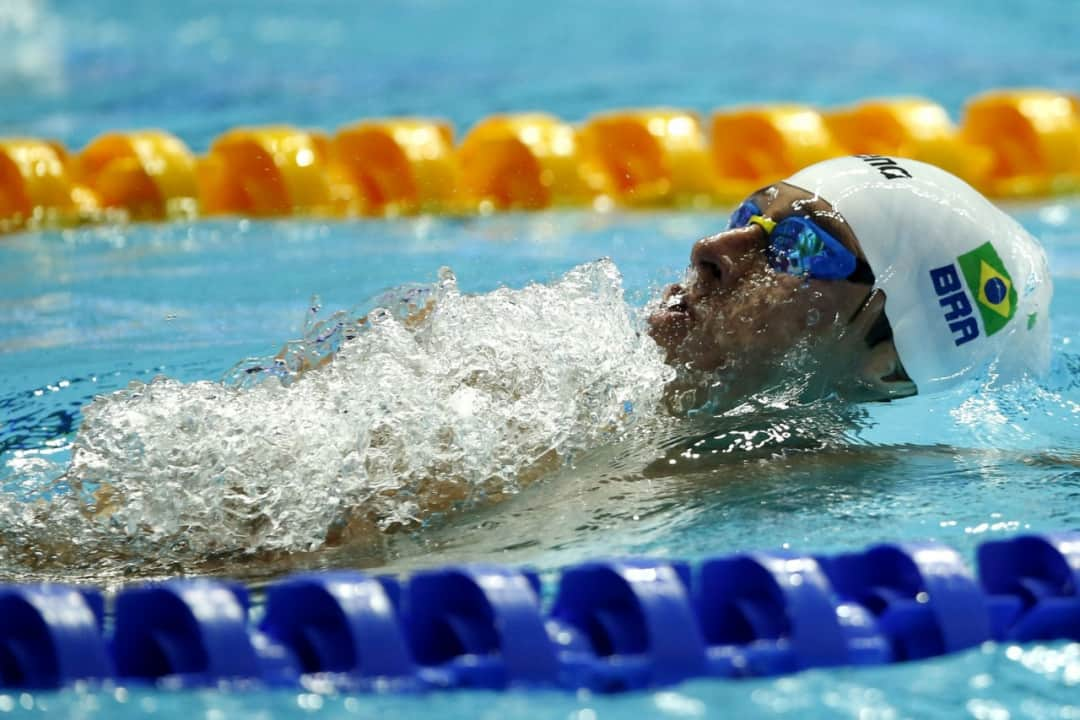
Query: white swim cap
x=965, y=285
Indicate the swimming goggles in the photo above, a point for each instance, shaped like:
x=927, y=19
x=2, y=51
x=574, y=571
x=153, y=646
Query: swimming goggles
x=799, y=246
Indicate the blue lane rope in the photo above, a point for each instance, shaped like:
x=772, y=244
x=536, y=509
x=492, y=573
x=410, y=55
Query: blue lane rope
x=613, y=625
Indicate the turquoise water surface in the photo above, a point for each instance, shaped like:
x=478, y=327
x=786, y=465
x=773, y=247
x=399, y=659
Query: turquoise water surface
x=85, y=312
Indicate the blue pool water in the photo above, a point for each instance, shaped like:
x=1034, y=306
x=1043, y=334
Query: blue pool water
x=85, y=312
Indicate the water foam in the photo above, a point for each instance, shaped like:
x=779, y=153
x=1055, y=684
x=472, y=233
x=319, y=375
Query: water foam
x=461, y=398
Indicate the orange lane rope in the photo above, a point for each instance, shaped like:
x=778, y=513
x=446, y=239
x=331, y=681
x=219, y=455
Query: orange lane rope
x=1009, y=144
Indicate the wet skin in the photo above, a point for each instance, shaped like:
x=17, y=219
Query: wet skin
x=734, y=320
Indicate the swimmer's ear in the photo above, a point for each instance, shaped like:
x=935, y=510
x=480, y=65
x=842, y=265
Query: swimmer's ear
x=883, y=374
x=879, y=370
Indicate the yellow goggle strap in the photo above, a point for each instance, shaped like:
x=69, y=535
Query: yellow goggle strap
x=766, y=224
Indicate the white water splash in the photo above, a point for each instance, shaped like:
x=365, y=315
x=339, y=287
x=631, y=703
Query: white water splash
x=411, y=418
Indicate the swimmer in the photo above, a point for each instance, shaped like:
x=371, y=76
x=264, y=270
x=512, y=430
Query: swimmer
x=889, y=277
x=879, y=278
x=861, y=278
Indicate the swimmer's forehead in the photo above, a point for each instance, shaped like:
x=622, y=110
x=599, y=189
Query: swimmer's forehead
x=782, y=200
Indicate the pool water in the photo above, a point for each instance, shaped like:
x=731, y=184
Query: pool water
x=85, y=312
x=190, y=301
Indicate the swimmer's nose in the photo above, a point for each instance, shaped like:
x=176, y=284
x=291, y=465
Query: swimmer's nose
x=721, y=259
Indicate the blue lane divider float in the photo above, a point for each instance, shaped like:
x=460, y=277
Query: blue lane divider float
x=609, y=626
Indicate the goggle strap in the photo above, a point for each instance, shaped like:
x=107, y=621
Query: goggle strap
x=767, y=224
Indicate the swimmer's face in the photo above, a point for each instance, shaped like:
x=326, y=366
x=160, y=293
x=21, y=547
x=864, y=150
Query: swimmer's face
x=736, y=315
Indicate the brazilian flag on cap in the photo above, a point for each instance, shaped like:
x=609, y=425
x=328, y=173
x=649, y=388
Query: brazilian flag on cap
x=991, y=286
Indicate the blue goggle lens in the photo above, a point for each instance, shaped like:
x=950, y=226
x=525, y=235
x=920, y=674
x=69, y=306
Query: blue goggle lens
x=799, y=246
x=793, y=249
x=743, y=213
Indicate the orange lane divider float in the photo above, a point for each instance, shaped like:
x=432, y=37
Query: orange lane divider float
x=755, y=146
x=36, y=185
x=265, y=172
x=394, y=166
x=522, y=161
x=910, y=127
x=1033, y=138
x=149, y=175
x=1009, y=143
x=648, y=157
